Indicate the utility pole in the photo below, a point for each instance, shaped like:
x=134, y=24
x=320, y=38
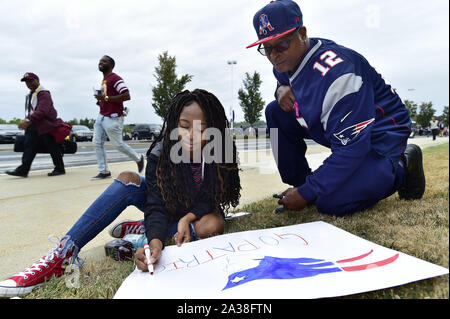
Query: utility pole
x=231, y=63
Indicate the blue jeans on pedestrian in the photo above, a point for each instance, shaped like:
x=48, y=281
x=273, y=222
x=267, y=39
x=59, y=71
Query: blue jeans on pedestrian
x=105, y=209
x=112, y=127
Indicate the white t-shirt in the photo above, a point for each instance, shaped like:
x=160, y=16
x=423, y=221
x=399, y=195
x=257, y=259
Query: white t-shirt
x=434, y=124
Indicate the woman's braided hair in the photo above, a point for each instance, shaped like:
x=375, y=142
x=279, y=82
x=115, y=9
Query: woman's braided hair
x=221, y=184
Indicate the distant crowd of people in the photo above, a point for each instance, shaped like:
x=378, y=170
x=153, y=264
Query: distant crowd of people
x=435, y=128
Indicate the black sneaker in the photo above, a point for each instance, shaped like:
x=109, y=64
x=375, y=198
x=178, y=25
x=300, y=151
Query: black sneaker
x=56, y=173
x=414, y=186
x=16, y=173
x=102, y=176
x=140, y=164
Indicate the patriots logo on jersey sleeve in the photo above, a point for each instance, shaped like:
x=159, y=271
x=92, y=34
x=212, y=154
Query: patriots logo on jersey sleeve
x=351, y=132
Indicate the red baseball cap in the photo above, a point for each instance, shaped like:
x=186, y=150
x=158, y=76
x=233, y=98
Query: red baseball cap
x=29, y=76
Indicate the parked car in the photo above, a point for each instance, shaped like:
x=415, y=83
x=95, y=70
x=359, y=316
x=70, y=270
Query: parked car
x=8, y=133
x=81, y=133
x=145, y=131
x=237, y=131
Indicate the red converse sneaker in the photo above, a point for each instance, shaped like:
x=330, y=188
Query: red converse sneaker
x=124, y=227
x=52, y=264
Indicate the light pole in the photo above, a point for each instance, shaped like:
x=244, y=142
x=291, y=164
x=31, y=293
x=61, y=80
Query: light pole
x=231, y=63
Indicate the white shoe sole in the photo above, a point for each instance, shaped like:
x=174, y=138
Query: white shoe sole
x=8, y=291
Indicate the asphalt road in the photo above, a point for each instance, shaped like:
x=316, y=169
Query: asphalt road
x=85, y=154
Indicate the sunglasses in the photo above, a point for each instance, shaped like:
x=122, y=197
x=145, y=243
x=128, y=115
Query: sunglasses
x=280, y=47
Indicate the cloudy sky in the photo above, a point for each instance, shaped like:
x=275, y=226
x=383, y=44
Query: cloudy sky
x=62, y=41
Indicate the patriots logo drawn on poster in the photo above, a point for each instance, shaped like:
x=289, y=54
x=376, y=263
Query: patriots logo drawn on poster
x=351, y=132
x=264, y=24
x=295, y=268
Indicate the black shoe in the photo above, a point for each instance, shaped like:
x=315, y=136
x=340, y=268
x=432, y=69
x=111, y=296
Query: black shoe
x=102, y=176
x=16, y=173
x=279, y=209
x=414, y=186
x=56, y=173
x=140, y=164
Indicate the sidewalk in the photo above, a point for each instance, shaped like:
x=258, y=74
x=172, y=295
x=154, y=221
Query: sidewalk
x=84, y=144
x=33, y=208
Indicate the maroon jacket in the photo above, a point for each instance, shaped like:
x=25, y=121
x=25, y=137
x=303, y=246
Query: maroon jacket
x=44, y=115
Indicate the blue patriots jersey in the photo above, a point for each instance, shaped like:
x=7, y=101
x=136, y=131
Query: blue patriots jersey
x=343, y=103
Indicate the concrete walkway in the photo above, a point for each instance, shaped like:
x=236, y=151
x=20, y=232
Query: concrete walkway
x=33, y=208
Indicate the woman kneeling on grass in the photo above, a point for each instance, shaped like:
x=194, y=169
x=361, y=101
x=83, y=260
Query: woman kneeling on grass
x=184, y=194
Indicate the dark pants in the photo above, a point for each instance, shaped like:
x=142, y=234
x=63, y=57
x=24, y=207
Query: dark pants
x=290, y=146
x=31, y=145
x=377, y=177
x=435, y=132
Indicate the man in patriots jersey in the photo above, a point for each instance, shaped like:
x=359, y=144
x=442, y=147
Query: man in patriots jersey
x=331, y=94
x=110, y=120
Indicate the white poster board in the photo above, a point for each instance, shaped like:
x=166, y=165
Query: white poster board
x=312, y=260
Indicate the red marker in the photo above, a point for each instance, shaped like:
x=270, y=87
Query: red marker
x=147, y=255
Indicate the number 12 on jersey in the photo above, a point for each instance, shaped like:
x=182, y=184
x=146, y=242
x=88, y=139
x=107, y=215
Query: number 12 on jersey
x=330, y=58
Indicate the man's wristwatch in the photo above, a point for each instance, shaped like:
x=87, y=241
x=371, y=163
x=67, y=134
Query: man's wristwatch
x=107, y=98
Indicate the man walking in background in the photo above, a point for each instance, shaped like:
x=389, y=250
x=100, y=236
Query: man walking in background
x=110, y=120
x=434, y=126
x=40, y=120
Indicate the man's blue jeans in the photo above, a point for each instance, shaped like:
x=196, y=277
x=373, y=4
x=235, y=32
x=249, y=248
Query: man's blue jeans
x=112, y=127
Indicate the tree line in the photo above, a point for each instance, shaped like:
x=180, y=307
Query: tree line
x=168, y=84
x=423, y=113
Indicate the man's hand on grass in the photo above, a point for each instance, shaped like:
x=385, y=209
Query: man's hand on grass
x=292, y=199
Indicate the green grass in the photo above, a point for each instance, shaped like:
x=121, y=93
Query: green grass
x=418, y=228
